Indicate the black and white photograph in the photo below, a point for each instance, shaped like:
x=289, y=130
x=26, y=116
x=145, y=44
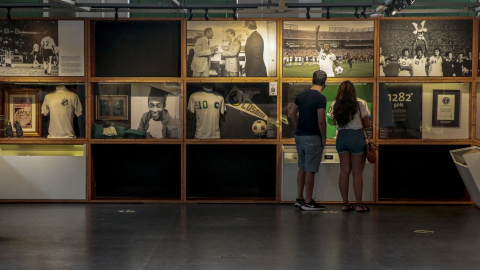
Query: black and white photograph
x=156, y=109
x=42, y=48
x=340, y=48
x=232, y=48
x=231, y=111
x=426, y=48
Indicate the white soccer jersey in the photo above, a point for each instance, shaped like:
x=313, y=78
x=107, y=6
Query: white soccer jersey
x=435, y=66
x=418, y=66
x=61, y=105
x=207, y=107
x=48, y=43
x=326, y=62
x=404, y=63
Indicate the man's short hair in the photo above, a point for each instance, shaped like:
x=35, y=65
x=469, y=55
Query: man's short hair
x=419, y=49
x=231, y=31
x=319, y=77
x=207, y=30
x=405, y=50
x=252, y=25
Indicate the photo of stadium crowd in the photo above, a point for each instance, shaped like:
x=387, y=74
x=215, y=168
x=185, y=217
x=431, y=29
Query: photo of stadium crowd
x=441, y=48
x=29, y=48
x=340, y=48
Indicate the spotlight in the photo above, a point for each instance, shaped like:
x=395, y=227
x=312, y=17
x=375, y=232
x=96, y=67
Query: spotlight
x=328, y=13
x=190, y=14
x=400, y=5
x=235, y=15
x=356, y=13
x=206, y=15
x=308, y=13
x=410, y=2
x=364, y=12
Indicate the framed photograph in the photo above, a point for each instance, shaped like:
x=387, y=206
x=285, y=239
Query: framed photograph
x=23, y=105
x=42, y=48
x=111, y=107
x=426, y=48
x=446, y=108
x=340, y=48
x=232, y=48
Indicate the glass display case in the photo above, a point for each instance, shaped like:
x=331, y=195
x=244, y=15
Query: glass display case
x=364, y=91
x=49, y=110
x=137, y=110
x=232, y=111
x=424, y=110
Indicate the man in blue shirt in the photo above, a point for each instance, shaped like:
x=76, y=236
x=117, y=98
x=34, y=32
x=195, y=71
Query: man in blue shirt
x=310, y=138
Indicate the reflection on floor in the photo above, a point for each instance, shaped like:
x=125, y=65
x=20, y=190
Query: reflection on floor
x=237, y=236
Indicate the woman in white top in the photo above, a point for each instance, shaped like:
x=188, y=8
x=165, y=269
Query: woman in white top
x=351, y=116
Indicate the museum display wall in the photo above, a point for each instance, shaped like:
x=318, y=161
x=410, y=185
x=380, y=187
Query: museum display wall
x=171, y=110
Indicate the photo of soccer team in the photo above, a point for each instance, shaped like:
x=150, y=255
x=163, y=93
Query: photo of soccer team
x=432, y=48
x=232, y=49
x=29, y=48
x=340, y=48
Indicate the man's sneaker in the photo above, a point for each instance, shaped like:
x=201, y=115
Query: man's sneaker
x=299, y=203
x=312, y=206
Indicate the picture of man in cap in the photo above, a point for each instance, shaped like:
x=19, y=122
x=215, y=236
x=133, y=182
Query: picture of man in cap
x=156, y=121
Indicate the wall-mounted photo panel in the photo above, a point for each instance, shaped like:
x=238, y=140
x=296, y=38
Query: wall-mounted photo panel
x=42, y=48
x=424, y=111
x=137, y=48
x=232, y=111
x=364, y=92
x=49, y=110
x=421, y=48
x=340, y=48
x=231, y=48
x=137, y=110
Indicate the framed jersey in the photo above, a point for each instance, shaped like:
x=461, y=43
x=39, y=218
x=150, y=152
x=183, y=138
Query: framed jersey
x=340, y=48
x=231, y=111
x=428, y=47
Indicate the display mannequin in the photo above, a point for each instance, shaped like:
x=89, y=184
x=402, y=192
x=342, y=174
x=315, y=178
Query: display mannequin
x=62, y=105
x=207, y=107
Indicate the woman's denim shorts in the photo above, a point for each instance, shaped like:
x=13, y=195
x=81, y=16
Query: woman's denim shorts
x=351, y=140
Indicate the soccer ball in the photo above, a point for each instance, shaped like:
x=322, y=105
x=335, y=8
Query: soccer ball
x=259, y=127
x=339, y=70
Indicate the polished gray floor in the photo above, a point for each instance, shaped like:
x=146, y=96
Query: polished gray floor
x=236, y=236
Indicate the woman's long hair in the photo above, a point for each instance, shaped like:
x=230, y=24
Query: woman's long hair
x=346, y=105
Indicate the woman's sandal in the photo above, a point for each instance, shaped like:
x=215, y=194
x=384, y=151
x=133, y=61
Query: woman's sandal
x=364, y=208
x=349, y=207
